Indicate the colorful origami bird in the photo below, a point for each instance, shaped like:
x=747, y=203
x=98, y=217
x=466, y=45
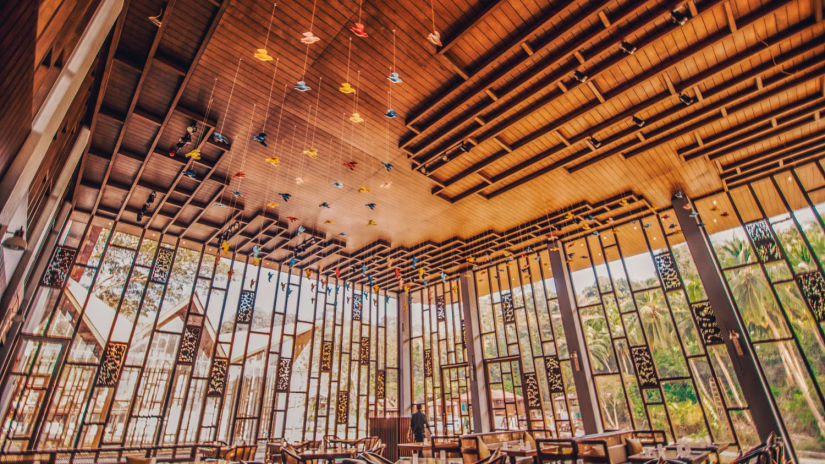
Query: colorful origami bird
x=364, y=269
x=309, y=38
x=256, y=250
x=292, y=218
x=273, y=160
x=421, y=273
x=302, y=86
x=346, y=87
x=219, y=204
x=394, y=78
x=371, y=223
x=308, y=272
x=288, y=291
x=285, y=196
x=351, y=165
x=443, y=277
x=299, y=180
x=370, y=206
x=324, y=205
x=387, y=165
x=190, y=174
x=328, y=221
x=194, y=154
x=291, y=262
x=337, y=273
x=386, y=185
x=300, y=230
x=272, y=204
x=260, y=138
x=390, y=113
x=311, y=152
x=338, y=184
x=225, y=246
x=363, y=189
x=397, y=273
x=220, y=138
x=262, y=55
x=269, y=276
x=230, y=273
x=236, y=193
x=435, y=38
x=358, y=30
x=251, y=282
x=414, y=262
x=356, y=118
x=239, y=175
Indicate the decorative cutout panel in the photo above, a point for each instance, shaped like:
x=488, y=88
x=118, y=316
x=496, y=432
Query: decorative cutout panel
x=163, y=265
x=59, y=267
x=644, y=367
x=364, y=351
x=217, y=377
x=357, y=304
x=189, y=344
x=380, y=379
x=812, y=285
x=552, y=369
x=531, y=390
x=507, y=312
x=440, y=308
x=428, y=363
x=326, y=356
x=284, y=374
x=666, y=266
x=110, y=365
x=711, y=334
x=763, y=242
x=342, y=408
x=245, y=306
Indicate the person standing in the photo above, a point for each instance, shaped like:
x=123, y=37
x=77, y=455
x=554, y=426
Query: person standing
x=418, y=424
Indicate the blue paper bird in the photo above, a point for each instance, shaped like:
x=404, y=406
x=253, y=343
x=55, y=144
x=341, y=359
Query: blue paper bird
x=256, y=250
x=337, y=287
x=414, y=262
x=219, y=204
x=288, y=291
x=269, y=276
x=394, y=78
x=595, y=233
x=301, y=86
x=364, y=269
x=693, y=214
x=387, y=166
x=701, y=224
x=235, y=192
x=291, y=262
x=220, y=138
x=647, y=226
x=590, y=217
x=285, y=196
x=370, y=205
x=369, y=279
x=324, y=205
x=342, y=234
x=190, y=174
x=443, y=277
x=300, y=230
x=346, y=286
x=340, y=185
x=390, y=113
x=260, y=138
x=537, y=258
x=386, y=299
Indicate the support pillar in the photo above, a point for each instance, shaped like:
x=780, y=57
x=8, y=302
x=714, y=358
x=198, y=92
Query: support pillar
x=751, y=378
x=405, y=377
x=479, y=400
x=585, y=388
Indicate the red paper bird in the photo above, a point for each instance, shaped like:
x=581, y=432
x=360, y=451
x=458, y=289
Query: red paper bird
x=397, y=273
x=337, y=273
x=292, y=218
x=239, y=175
x=351, y=165
x=230, y=273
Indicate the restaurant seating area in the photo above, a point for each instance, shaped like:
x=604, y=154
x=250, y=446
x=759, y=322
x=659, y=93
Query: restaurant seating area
x=412, y=232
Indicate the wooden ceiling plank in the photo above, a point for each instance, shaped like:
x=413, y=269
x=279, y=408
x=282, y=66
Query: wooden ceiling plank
x=470, y=21
x=213, y=24
x=197, y=217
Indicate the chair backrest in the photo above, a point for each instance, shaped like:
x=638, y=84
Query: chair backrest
x=139, y=460
x=556, y=449
x=651, y=437
x=449, y=443
x=290, y=457
x=374, y=458
x=469, y=449
x=593, y=451
x=273, y=452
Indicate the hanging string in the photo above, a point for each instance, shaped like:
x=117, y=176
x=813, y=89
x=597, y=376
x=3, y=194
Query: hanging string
x=357, y=85
x=349, y=53
x=271, y=86
x=246, y=148
x=269, y=29
x=206, y=113
x=312, y=19
x=393, y=50
x=304, y=70
x=315, y=119
x=432, y=13
x=231, y=91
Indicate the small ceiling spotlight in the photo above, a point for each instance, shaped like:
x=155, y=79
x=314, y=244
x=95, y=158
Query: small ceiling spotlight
x=465, y=146
x=423, y=170
x=639, y=122
x=445, y=158
x=678, y=18
x=16, y=242
x=595, y=142
x=687, y=99
x=627, y=47
x=580, y=76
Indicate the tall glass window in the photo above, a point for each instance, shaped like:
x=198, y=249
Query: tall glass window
x=655, y=360
x=527, y=366
x=134, y=341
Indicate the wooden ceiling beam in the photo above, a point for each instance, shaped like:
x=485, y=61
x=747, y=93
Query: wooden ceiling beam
x=804, y=143
x=468, y=23
x=771, y=164
x=539, y=68
x=213, y=24
x=197, y=218
x=170, y=8
x=750, y=53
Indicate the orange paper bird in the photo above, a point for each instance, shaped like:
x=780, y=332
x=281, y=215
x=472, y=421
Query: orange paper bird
x=272, y=204
x=351, y=165
x=292, y=218
x=420, y=273
x=230, y=273
x=225, y=247
x=273, y=160
x=194, y=154
x=356, y=118
x=256, y=261
x=308, y=272
x=311, y=152
x=375, y=288
x=262, y=55
x=363, y=189
x=328, y=221
x=371, y=223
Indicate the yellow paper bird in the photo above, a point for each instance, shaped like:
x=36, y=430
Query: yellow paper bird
x=420, y=273
x=256, y=261
x=454, y=288
x=194, y=154
x=623, y=202
x=328, y=221
x=363, y=189
x=356, y=118
x=471, y=259
x=507, y=253
x=406, y=289
x=225, y=246
x=375, y=288
x=586, y=227
x=371, y=223
x=311, y=152
x=262, y=55
x=273, y=160
x=272, y=204
x=308, y=272
x=569, y=215
x=346, y=87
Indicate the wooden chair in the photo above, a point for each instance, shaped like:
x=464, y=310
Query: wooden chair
x=651, y=437
x=451, y=445
x=556, y=450
x=290, y=458
x=592, y=451
x=374, y=458
x=139, y=460
x=241, y=453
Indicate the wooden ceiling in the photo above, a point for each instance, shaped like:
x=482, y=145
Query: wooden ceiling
x=527, y=111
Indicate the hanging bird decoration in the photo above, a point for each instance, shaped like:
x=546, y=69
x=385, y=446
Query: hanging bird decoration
x=387, y=166
x=443, y=277
x=272, y=204
x=252, y=283
x=434, y=37
x=261, y=53
x=356, y=118
x=273, y=160
x=299, y=180
x=291, y=262
x=260, y=138
x=230, y=273
x=414, y=262
x=324, y=205
x=363, y=189
x=220, y=138
x=283, y=286
x=311, y=152
x=342, y=234
x=338, y=184
x=299, y=231
x=363, y=269
x=337, y=274
x=346, y=87
x=358, y=27
x=308, y=272
x=397, y=273
x=328, y=221
x=351, y=165
x=309, y=37
x=269, y=276
x=292, y=218
x=236, y=193
x=371, y=206
x=285, y=196
x=371, y=223
x=386, y=185
x=225, y=246
x=190, y=174
x=256, y=250
x=390, y=113
x=195, y=154
x=302, y=86
x=239, y=175
x=420, y=273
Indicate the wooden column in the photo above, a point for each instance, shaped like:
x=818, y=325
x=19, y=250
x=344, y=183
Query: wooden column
x=751, y=378
x=479, y=401
x=585, y=388
x=405, y=374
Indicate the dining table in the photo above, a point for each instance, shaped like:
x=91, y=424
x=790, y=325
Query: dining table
x=413, y=447
x=696, y=456
x=327, y=454
x=514, y=452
